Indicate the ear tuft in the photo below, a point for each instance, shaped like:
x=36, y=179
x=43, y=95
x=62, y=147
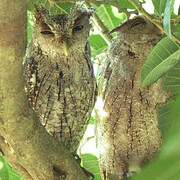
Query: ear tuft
x=40, y=15
x=136, y=21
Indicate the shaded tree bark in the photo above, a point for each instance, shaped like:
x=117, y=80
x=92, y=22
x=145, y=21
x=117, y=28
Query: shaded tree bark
x=24, y=141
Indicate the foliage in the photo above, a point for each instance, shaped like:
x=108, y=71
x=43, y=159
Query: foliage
x=159, y=6
x=90, y=162
x=97, y=48
x=164, y=56
x=163, y=61
x=6, y=172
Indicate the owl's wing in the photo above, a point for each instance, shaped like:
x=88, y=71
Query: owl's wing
x=87, y=56
x=30, y=74
x=38, y=87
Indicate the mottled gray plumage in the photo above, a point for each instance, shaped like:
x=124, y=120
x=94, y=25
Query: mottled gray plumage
x=127, y=133
x=59, y=75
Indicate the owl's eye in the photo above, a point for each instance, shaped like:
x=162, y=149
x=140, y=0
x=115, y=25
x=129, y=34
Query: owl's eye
x=138, y=23
x=50, y=33
x=78, y=28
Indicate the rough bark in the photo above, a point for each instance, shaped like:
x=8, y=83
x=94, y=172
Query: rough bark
x=24, y=141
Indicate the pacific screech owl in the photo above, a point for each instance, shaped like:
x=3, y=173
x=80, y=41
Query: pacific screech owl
x=59, y=75
x=128, y=133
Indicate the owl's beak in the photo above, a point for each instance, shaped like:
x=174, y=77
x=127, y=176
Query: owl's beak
x=65, y=48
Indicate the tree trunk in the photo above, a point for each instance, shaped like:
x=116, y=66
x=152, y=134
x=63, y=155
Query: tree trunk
x=24, y=141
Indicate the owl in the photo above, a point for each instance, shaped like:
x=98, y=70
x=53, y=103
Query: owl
x=60, y=81
x=127, y=127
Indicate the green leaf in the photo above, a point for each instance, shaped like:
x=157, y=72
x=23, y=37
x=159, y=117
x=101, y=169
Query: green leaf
x=4, y=175
x=162, y=68
x=6, y=172
x=162, y=169
x=163, y=113
x=92, y=120
x=175, y=27
x=90, y=162
x=30, y=25
x=164, y=56
x=159, y=6
x=124, y=4
x=12, y=174
x=110, y=16
x=167, y=18
x=171, y=80
x=98, y=44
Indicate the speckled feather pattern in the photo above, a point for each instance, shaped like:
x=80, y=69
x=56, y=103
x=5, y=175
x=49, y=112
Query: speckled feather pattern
x=61, y=89
x=62, y=94
x=128, y=136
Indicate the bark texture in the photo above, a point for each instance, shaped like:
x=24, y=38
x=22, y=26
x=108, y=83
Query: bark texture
x=24, y=141
x=128, y=133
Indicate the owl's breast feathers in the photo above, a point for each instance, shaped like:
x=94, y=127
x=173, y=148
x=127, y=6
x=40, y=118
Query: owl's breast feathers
x=128, y=135
x=62, y=92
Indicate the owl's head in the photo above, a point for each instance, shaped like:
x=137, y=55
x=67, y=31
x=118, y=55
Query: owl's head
x=138, y=24
x=62, y=33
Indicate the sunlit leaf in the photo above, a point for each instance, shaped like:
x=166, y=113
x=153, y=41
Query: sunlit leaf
x=4, y=175
x=6, y=172
x=110, y=16
x=30, y=24
x=164, y=56
x=172, y=80
x=90, y=162
x=163, y=118
x=159, y=6
x=175, y=27
x=167, y=17
x=162, y=68
x=98, y=44
x=124, y=4
x=92, y=120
